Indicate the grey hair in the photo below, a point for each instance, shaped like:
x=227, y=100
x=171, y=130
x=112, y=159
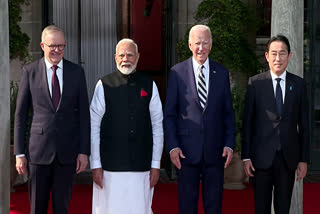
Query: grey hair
x=202, y=28
x=126, y=40
x=49, y=29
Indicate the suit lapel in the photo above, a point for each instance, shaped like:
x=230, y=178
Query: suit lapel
x=288, y=94
x=66, y=77
x=212, y=81
x=44, y=82
x=269, y=92
x=192, y=82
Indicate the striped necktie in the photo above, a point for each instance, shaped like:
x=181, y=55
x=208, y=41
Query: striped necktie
x=202, y=90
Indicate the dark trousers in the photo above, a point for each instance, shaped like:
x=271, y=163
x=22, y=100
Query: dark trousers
x=188, y=188
x=279, y=177
x=55, y=178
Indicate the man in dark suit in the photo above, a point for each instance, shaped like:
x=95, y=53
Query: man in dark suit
x=53, y=97
x=199, y=124
x=275, y=130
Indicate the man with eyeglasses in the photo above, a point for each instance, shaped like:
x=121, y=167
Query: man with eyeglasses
x=275, y=141
x=52, y=125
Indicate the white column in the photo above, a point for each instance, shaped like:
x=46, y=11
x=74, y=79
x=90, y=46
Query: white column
x=287, y=19
x=4, y=110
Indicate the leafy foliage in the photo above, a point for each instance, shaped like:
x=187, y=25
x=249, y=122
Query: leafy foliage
x=19, y=41
x=230, y=23
x=238, y=97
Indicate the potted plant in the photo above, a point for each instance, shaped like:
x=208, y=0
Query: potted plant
x=234, y=175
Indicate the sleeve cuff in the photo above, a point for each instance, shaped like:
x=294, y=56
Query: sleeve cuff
x=173, y=149
x=95, y=164
x=229, y=148
x=155, y=164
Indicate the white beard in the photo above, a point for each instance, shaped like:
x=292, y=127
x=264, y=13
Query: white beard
x=125, y=70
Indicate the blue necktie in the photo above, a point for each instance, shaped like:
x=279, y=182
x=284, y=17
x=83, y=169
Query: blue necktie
x=279, y=99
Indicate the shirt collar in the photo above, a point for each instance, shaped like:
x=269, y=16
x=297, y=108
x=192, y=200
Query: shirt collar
x=196, y=65
x=49, y=65
x=282, y=76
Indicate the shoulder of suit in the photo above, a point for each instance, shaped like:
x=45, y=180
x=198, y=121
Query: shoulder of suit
x=67, y=63
x=182, y=65
x=294, y=77
x=260, y=76
x=34, y=64
x=217, y=66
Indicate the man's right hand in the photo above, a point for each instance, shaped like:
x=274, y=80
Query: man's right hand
x=175, y=156
x=248, y=168
x=21, y=165
x=97, y=176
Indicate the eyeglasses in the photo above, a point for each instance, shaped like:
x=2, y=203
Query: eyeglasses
x=282, y=55
x=54, y=47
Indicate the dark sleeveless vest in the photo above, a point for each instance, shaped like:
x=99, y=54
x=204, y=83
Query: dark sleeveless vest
x=126, y=130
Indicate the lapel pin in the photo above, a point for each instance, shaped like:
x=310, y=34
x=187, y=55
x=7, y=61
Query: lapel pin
x=214, y=71
x=290, y=88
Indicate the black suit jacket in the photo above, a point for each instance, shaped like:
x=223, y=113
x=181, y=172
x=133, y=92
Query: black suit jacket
x=65, y=132
x=263, y=129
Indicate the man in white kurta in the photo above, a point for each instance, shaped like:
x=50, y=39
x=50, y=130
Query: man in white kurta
x=124, y=192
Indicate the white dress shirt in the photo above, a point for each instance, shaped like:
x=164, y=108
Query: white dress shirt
x=282, y=83
x=205, y=70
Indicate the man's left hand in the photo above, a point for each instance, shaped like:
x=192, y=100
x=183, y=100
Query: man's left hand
x=227, y=152
x=154, y=176
x=82, y=162
x=301, y=170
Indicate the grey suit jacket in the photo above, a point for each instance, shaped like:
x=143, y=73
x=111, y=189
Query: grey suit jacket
x=64, y=133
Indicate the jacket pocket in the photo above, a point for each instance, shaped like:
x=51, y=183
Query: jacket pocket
x=36, y=130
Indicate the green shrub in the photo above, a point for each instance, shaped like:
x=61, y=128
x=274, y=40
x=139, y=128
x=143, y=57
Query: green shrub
x=18, y=41
x=231, y=23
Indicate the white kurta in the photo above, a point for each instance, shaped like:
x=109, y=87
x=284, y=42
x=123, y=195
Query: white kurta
x=124, y=192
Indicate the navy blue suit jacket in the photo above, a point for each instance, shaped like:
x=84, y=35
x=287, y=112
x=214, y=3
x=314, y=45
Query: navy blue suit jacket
x=65, y=132
x=200, y=135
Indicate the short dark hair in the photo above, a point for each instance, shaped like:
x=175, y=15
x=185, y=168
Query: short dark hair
x=280, y=38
